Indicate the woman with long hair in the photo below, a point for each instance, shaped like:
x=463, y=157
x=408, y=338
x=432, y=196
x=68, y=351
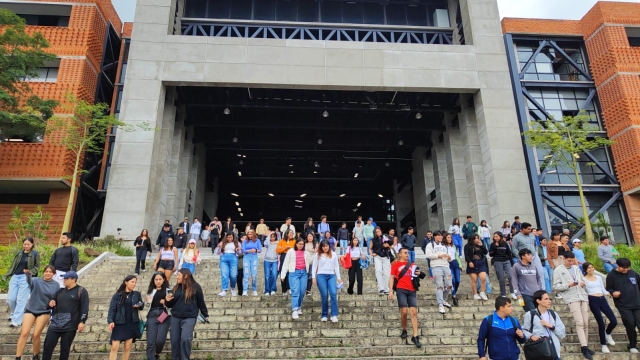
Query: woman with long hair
x=310, y=249
x=505, y=229
x=354, y=251
x=284, y=245
x=228, y=250
x=186, y=301
x=270, y=265
x=500, y=251
x=190, y=257
x=484, y=231
x=326, y=275
x=37, y=311
x=454, y=266
x=157, y=329
x=475, y=254
x=123, y=317
x=250, y=248
x=143, y=246
x=25, y=264
x=456, y=231
x=295, y=266
x=543, y=322
x=167, y=259
x=309, y=227
x=598, y=305
x=248, y=227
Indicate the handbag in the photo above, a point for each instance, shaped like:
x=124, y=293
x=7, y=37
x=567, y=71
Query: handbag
x=141, y=326
x=163, y=316
x=345, y=261
x=541, y=349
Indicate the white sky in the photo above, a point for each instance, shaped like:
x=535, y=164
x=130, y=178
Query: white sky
x=544, y=9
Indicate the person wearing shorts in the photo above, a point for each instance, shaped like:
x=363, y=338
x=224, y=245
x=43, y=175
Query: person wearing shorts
x=406, y=292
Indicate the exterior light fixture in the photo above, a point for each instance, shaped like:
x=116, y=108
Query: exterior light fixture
x=319, y=141
x=241, y=214
x=227, y=111
x=239, y=210
x=356, y=175
x=290, y=165
x=234, y=194
x=325, y=114
x=240, y=162
x=235, y=139
x=299, y=206
x=418, y=116
x=316, y=164
x=239, y=173
x=315, y=172
x=291, y=172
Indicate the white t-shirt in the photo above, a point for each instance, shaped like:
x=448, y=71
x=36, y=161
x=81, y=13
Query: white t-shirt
x=230, y=248
x=355, y=252
x=485, y=232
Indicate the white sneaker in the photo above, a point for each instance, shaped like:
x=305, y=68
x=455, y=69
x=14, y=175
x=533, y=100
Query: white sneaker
x=605, y=349
x=289, y=292
x=446, y=304
x=136, y=274
x=144, y=270
x=441, y=310
x=245, y=294
x=513, y=296
x=299, y=311
x=234, y=293
x=255, y=293
x=609, y=339
x=633, y=350
x=334, y=319
x=273, y=293
x=266, y=294
x=294, y=314
x=476, y=297
x=558, y=296
x=484, y=296
x=324, y=319
x=223, y=293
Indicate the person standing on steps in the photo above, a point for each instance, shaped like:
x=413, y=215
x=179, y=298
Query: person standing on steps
x=195, y=230
x=65, y=258
x=180, y=241
x=216, y=233
x=354, y=252
x=284, y=228
x=500, y=333
x=240, y=280
x=598, y=305
x=526, y=280
x=157, y=323
x=607, y=254
x=439, y=255
x=228, y=251
x=469, y=228
x=369, y=232
x=427, y=239
x=261, y=231
x=124, y=318
x=309, y=228
x=330, y=239
x=37, y=311
x=250, y=248
x=358, y=233
x=543, y=253
x=380, y=250
x=409, y=241
x=167, y=259
x=323, y=228
x=543, y=322
x=143, y=246
x=343, y=238
x=271, y=264
x=403, y=272
x=295, y=265
x=326, y=275
x=310, y=249
x=190, y=257
x=167, y=232
x=624, y=285
x=485, y=233
x=70, y=311
x=185, y=301
x=25, y=264
x=284, y=245
x=475, y=254
x=228, y=226
x=185, y=225
x=456, y=232
x=454, y=265
x=205, y=236
x=569, y=281
x=500, y=253
x=526, y=240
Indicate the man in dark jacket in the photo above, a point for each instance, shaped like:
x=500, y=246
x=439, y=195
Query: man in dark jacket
x=624, y=285
x=185, y=225
x=409, y=242
x=343, y=238
x=469, y=228
x=499, y=333
x=164, y=235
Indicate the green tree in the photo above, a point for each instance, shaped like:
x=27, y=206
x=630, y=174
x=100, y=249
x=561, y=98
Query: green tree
x=85, y=131
x=30, y=224
x=22, y=114
x=564, y=141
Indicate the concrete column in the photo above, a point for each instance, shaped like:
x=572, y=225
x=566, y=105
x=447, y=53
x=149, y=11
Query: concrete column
x=173, y=175
x=210, y=205
x=185, y=190
x=456, y=169
x=403, y=204
x=441, y=180
x=197, y=182
x=423, y=185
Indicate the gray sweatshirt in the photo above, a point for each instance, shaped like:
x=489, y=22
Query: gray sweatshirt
x=521, y=241
x=605, y=253
x=526, y=279
x=42, y=292
x=270, y=255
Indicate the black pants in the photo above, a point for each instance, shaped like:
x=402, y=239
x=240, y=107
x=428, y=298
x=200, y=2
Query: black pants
x=309, y=278
x=214, y=243
x=598, y=306
x=141, y=256
x=529, y=304
x=631, y=320
x=156, y=333
x=51, y=340
x=285, y=283
x=355, y=272
x=239, y=279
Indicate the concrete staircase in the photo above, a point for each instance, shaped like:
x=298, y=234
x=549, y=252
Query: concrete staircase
x=262, y=328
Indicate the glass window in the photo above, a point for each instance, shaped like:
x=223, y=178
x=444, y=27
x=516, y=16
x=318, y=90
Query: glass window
x=308, y=11
x=352, y=12
x=417, y=15
x=287, y=10
x=331, y=12
x=123, y=73
x=48, y=74
x=241, y=9
x=219, y=9
x=373, y=13
x=396, y=14
x=264, y=10
x=196, y=8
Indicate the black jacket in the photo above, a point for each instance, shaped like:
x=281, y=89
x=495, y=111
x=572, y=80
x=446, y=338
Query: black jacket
x=162, y=237
x=180, y=241
x=182, y=309
x=185, y=226
x=343, y=234
x=471, y=249
x=116, y=312
x=378, y=248
x=144, y=243
x=629, y=286
x=226, y=229
x=500, y=253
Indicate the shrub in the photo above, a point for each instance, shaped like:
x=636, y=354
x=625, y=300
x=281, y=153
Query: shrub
x=630, y=252
x=30, y=224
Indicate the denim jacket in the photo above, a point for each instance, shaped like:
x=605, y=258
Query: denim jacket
x=116, y=312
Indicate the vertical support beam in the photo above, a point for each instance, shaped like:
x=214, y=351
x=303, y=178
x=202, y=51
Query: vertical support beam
x=185, y=191
x=173, y=174
x=211, y=199
x=197, y=182
x=423, y=185
x=441, y=179
x=458, y=186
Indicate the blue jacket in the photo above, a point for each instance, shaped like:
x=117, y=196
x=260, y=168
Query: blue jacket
x=502, y=341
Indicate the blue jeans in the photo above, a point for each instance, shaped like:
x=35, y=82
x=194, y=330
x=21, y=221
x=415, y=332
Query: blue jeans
x=298, y=286
x=457, y=241
x=486, y=242
x=228, y=270
x=270, y=276
x=608, y=267
x=343, y=246
x=17, y=297
x=191, y=267
x=488, y=284
x=367, y=247
x=250, y=267
x=455, y=276
x=548, y=275
x=412, y=256
x=327, y=284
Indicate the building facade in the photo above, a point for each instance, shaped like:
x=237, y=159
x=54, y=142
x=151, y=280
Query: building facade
x=560, y=67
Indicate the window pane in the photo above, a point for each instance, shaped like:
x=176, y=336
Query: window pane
x=241, y=9
x=352, y=13
x=195, y=8
x=417, y=15
x=373, y=13
x=396, y=14
x=287, y=10
x=331, y=12
x=264, y=10
x=52, y=75
x=551, y=104
x=219, y=9
x=308, y=11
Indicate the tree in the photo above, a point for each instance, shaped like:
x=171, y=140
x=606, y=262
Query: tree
x=85, y=131
x=30, y=224
x=564, y=141
x=22, y=114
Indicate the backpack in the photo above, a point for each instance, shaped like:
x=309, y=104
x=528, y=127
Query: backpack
x=490, y=322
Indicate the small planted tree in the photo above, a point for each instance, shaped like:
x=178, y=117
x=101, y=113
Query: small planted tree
x=22, y=114
x=86, y=131
x=30, y=224
x=565, y=141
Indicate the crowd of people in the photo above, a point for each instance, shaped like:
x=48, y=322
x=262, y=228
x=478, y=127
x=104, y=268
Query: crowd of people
x=526, y=264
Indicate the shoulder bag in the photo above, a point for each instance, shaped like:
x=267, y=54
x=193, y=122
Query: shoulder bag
x=402, y=273
x=345, y=260
x=541, y=349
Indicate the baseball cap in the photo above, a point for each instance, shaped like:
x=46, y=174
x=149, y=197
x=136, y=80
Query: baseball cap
x=410, y=228
x=70, y=275
x=576, y=241
x=192, y=241
x=371, y=218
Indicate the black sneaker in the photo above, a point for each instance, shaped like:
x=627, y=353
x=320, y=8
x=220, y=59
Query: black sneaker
x=591, y=351
x=403, y=335
x=586, y=353
x=381, y=292
x=36, y=357
x=416, y=341
x=455, y=301
x=386, y=293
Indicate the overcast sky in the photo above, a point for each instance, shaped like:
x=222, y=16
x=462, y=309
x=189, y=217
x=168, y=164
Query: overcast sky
x=545, y=9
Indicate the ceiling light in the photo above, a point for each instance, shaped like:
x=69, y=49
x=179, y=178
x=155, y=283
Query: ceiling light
x=239, y=173
x=234, y=194
x=387, y=164
x=418, y=116
x=316, y=164
x=325, y=114
x=241, y=214
x=299, y=207
x=244, y=156
x=380, y=195
x=227, y=111
x=343, y=195
x=235, y=139
x=356, y=175
x=239, y=209
x=237, y=203
x=290, y=165
x=291, y=172
x=298, y=201
x=240, y=162
x=315, y=172
x=319, y=141
x=303, y=195
x=400, y=142
x=240, y=155
x=270, y=194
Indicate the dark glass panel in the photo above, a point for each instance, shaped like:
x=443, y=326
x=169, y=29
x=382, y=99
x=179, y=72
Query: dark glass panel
x=396, y=14
x=352, y=12
x=287, y=10
x=373, y=13
x=308, y=11
x=417, y=15
x=331, y=11
x=241, y=9
x=264, y=10
x=196, y=8
x=219, y=9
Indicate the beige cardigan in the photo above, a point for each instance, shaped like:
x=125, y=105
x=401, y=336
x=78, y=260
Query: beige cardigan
x=289, y=264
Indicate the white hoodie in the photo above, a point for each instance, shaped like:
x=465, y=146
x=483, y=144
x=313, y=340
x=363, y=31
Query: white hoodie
x=433, y=250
